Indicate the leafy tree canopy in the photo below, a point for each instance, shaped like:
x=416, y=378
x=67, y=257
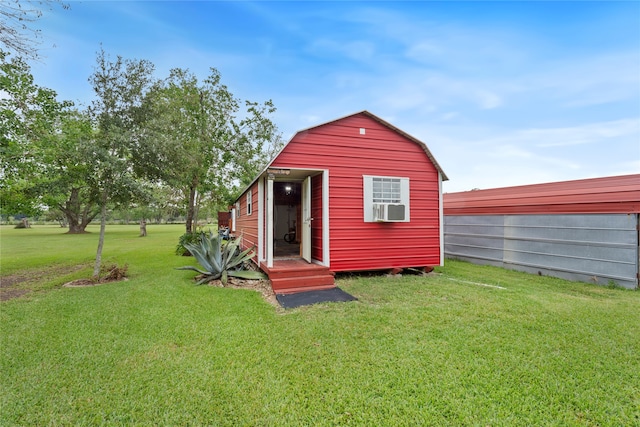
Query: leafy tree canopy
x=29, y=119
x=201, y=139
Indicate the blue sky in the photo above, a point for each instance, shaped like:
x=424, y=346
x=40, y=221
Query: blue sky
x=503, y=93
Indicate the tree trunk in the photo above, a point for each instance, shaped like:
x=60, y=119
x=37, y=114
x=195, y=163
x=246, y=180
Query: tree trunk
x=192, y=205
x=77, y=217
x=75, y=228
x=70, y=211
x=103, y=224
x=196, y=212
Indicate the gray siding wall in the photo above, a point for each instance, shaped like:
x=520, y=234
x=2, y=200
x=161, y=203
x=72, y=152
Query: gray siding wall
x=595, y=248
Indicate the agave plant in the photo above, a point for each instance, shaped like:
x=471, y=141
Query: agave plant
x=220, y=261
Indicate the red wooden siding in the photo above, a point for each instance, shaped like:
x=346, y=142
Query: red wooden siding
x=354, y=244
x=224, y=219
x=247, y=225
x=616, y=194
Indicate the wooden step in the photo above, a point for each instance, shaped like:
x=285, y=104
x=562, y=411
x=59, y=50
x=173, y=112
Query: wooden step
x=283, y=274
x=296, y=275
x=295, y=284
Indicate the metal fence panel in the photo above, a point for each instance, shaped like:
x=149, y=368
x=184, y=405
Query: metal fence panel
x=600, y=248
x=475, y=238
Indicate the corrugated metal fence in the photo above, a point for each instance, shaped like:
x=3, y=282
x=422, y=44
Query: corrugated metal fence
x=596, y=248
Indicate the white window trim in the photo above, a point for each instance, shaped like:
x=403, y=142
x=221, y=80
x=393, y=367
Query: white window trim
x=233, y=219
x=368, y=196
x=249, y=202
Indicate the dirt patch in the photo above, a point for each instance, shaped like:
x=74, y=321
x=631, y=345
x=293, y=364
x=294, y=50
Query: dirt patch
x=24, y=282
x=7, y=294
x=108, y=274
x=263, y=286
x=84, y=283
x=11, y=281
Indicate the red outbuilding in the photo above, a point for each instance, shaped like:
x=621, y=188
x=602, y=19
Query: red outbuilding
x=352, y=194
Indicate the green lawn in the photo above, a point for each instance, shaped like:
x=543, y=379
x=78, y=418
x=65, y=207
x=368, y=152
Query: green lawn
x=438, y=350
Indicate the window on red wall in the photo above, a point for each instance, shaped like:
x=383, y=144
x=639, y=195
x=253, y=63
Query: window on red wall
x=386, y=199
x=249, y=202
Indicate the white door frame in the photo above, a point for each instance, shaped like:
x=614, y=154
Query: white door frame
x=265, y=239
x=261, y=215
x=269, y=222
x=305, y=242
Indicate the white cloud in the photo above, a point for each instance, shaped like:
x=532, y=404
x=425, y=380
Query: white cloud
x=357, y=50
x=584, y=81
x=475, y=157
x=448, y=116
x=590, y=133
x=629, y=167
x=424, y=49
x=310, y=120
x=431, y=91
x=487, y=99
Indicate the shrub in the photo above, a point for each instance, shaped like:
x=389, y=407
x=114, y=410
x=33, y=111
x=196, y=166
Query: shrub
x=189, y=238
x=220, y=261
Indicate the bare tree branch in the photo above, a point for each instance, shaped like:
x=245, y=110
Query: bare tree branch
x=18, y=32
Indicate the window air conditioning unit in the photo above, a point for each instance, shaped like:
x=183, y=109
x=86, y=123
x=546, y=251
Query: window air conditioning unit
x=387, y=212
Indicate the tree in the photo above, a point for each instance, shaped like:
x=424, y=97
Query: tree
x=68, y=183
x=47, y=151
x=120, y=88
x=194, y=139
x=29, y=118
x=17, y=20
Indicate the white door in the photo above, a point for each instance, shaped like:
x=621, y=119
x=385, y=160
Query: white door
x=306, y=219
